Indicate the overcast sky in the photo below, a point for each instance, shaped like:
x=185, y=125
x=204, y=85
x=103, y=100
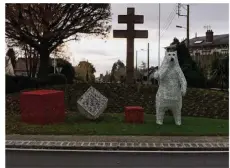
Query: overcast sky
x=103, y=53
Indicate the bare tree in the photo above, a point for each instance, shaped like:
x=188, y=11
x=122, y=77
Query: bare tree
x=12, y=55
x=118, y=71
x=61, y=52
x=46, y=26
x=86, y=70
x=31, y=60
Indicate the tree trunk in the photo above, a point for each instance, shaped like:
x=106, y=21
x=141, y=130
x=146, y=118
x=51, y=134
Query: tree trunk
x=44, y=63
x=35, y=63
x=30, y=60
x=222, y=84
x=26, y=59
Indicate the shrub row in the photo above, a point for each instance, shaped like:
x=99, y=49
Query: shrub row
x=197, y=102
x=18, y=83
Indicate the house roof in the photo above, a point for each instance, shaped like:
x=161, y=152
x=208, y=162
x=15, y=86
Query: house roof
x=222, y=39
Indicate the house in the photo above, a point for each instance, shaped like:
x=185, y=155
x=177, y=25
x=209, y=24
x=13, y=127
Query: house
x=205, y=49
x=20, y=68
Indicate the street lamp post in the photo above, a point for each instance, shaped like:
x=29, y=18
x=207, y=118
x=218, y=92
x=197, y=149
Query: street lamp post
x=136, y=60
x=59, y=69
x=54, y=64
x=147, y=77
x=137, y=54
x=159, y=35
x=148, y=62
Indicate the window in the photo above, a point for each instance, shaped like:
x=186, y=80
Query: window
x=24, y=74
x=198, y=42
x=224, y=51
x=206, y=52
x=215, y=53
x=197, y=54
x=196, y=57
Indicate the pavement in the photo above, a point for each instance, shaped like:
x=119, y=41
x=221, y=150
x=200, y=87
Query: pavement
x=65, y=159
x=126, y=143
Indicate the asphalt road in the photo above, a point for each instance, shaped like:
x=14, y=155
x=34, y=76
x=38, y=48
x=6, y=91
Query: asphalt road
x=26, y=159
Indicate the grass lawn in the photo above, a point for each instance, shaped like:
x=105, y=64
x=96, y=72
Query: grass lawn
x=113, y=124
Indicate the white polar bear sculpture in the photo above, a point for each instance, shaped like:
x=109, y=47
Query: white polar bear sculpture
x=172, y=86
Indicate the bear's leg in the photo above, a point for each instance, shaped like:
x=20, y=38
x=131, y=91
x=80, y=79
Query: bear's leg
x=177, y=115
x=160, y=112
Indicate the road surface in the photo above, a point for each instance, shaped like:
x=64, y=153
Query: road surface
x=36, y=159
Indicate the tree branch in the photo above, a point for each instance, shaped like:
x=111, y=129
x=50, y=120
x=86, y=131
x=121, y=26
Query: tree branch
x=46, y=26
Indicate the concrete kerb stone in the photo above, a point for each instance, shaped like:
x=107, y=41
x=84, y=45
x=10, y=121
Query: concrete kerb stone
x=144, y=146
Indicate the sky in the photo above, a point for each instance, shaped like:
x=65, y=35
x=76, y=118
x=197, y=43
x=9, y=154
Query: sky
x=102, y=53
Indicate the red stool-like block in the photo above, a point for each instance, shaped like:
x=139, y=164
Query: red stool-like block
x=42, y=107
x=134, y=114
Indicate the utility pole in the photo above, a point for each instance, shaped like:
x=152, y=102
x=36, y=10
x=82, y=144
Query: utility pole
x=187, y=16
x=148, y=63
x=188, y=26
x=136, y=60
x=159, y=36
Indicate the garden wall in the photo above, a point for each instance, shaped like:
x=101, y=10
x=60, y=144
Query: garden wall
x=197, y=102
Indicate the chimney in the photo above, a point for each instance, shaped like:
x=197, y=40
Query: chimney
x=209, y=36
x=196, y=35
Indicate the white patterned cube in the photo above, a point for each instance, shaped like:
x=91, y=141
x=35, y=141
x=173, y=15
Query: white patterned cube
x=92, y=103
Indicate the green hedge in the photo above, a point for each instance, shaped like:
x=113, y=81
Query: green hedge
x=56, y=79
x=197, y=102
x=11, y=85
x=18, y=83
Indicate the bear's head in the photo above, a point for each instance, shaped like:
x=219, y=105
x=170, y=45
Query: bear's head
x=171, y=58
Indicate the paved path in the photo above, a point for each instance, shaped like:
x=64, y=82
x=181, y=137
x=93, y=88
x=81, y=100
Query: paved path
x=118, y=142
x=96, y=138
x=25, y=159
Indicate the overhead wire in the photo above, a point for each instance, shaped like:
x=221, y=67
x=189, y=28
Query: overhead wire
x=169, y=20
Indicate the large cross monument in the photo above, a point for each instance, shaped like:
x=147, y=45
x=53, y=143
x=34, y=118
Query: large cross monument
x=130, y=19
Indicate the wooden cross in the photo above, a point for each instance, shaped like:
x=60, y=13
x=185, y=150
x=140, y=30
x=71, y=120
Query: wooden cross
x=130, y=19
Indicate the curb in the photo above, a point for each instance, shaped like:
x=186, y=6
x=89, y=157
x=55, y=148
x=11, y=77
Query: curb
x=127, y=146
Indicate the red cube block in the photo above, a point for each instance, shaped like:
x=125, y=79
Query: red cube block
x=42, y=106
x=134, y=114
